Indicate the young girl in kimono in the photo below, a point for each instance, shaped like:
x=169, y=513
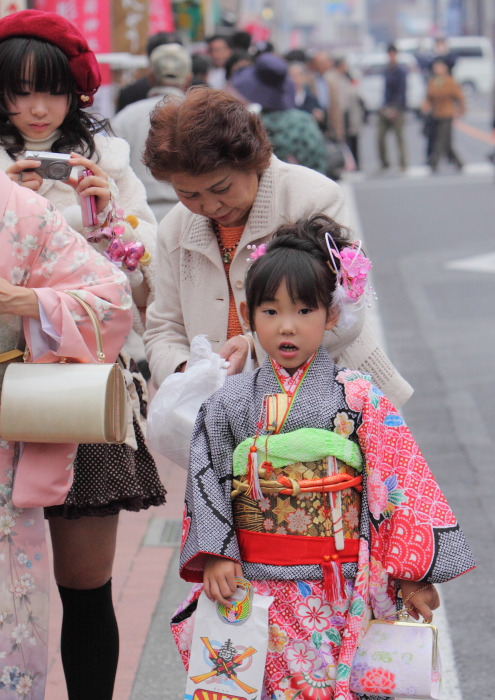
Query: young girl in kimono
x=48, y=79
x=305, y=480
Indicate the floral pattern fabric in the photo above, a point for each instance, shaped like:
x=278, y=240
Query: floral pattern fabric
x=307, y=657
x=41, y=252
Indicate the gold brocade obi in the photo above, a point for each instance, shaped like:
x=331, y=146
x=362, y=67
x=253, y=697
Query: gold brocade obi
x=299, y=512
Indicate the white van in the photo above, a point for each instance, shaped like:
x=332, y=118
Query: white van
x=473, y=69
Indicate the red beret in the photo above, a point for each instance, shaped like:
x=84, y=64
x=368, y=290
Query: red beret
x=62, y=33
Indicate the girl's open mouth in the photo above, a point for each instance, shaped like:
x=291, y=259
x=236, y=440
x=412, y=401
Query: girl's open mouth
x=288, y=349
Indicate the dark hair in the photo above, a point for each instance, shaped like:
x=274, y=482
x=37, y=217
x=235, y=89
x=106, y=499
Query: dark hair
x=391, y=48
x=299, y=255
x=46, y=69
x=218, y=37
x=235, y=57
x=440, y=59
x=296, y=56
x=200, y=65
x=206, y=130
x=240, y=40
x=161, y=38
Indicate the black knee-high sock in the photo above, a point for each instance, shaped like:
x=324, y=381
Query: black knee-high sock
x=90, y=642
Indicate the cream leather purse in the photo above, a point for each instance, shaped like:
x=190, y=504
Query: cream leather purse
x=65, y=402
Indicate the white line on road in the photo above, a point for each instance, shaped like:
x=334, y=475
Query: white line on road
x=451, y=689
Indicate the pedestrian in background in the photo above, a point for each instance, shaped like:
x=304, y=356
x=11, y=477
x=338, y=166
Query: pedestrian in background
x=200, y=67
x=138, y=90
x=169, y=74
x=219, y=52
x=444, y=102
x=351, y=106
x=294, y=135
x=391, y=115
x=304, y=98
x=48, y=75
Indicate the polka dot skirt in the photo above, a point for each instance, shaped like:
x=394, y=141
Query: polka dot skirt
x=111, y=478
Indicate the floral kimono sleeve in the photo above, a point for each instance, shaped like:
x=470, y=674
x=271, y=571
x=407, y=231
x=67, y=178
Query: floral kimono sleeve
x=208, y=522
x=51, y=258
x=414, y=534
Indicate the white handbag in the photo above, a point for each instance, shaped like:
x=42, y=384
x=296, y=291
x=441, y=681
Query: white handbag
x=398, y=659
x=65, y=402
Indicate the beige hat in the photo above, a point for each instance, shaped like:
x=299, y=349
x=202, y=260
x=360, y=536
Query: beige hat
x=170, y=64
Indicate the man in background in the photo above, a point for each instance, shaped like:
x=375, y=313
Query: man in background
x=169, y=74
x=138, y=90
x=391, y=115
x=219, y=52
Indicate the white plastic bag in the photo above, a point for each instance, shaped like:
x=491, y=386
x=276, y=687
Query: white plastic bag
x=173, y=411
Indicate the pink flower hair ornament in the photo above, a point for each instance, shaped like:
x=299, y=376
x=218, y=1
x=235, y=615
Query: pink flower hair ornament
x=258, y=251
x=352, y=280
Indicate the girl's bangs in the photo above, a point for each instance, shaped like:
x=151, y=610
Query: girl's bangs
x=34, y=65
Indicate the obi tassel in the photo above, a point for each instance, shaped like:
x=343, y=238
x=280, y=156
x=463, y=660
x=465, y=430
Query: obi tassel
x=253, y=478
x=333, y=582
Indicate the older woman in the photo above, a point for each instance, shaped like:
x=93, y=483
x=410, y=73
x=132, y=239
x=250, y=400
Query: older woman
x=233, y=194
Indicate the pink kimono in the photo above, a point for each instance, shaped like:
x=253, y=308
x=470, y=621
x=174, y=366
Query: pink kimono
x=39, y=251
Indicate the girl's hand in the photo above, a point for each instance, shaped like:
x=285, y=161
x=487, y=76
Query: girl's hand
x=422, y=603
x=28, y=179
x=96, y=184
x=219, y=578
x=236, y=351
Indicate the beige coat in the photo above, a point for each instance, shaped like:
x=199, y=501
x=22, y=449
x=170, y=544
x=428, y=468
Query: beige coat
x=192, y=293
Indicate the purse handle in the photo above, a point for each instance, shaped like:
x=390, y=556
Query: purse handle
x=100, y=352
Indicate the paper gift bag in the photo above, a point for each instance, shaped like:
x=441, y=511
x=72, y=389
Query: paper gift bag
x=229, y=646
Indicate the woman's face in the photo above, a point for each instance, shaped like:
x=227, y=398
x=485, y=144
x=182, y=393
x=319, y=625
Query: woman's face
x=38, y=114
x=224, y=195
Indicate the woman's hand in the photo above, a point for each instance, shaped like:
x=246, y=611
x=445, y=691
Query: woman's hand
x=219, y=578
x=18, y=301
x=236, y=352
x=422, y=603
x=28, y=179
x=95, y=184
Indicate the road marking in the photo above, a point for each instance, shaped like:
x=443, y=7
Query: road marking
x=476, y=133
x=475, y=263
x=450, y=680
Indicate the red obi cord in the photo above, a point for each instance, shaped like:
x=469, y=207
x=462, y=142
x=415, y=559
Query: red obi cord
x=296, y=550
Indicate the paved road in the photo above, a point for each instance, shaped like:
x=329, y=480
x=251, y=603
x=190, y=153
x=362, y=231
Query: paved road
x=440, y=329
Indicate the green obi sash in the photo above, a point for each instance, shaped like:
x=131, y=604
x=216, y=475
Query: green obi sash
x=303, y=445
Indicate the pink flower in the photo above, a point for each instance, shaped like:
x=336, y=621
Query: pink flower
x=281, y=530
x=314, y=614
x=351, y=516
x=258, y=251
x=268, y=524
x=299, y=521
x=261, y=587
x=356, y=392
x=300, y=657
x=264, y=504
x=377, y=493
x=354, y=263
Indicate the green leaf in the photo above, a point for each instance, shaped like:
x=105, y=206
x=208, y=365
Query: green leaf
x=397, y=497
x=343, y=672
x=317, y=639
x=357, y=608
x=333, y=636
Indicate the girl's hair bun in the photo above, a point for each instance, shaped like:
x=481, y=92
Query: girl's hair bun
x=298, y=253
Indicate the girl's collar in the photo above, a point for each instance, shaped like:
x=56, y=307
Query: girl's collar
x=290, y=383
x=40, y=144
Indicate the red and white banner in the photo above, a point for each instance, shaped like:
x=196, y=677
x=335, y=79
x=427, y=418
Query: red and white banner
x=161, y=16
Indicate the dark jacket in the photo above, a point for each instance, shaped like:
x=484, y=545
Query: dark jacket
x=133, y=93
x=395, y=87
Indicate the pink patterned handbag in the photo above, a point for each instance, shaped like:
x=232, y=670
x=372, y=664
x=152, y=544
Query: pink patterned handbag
x=398, y=659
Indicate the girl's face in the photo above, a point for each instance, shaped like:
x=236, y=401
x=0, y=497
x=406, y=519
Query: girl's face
x=289, y=332
x=224, y=195
x=38, y=114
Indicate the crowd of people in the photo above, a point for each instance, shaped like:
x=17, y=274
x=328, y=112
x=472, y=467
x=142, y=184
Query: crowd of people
x=184, y=184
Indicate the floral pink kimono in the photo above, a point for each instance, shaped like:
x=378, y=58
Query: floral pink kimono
x=39, y=251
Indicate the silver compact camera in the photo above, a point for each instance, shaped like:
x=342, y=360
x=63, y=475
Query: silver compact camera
x=54, y=166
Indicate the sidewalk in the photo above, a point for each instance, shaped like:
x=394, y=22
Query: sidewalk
x=140, y=570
